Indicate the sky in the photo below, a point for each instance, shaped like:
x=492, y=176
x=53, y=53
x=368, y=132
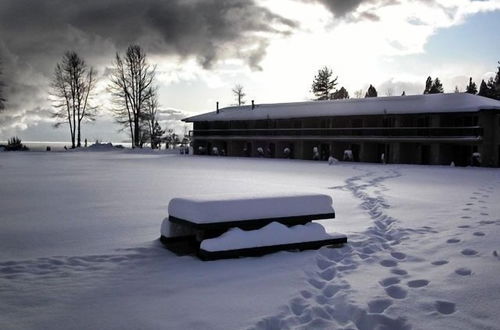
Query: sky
x=273, y=48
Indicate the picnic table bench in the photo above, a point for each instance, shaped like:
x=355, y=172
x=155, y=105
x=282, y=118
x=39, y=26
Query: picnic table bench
x=192, y=221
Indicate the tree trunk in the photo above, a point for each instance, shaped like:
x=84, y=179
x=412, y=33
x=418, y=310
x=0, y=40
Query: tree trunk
x=131, y=134
x=137, y=133
x=73, y=138
x=79, y=143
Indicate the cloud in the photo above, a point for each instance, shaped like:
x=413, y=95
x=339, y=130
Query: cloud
x=340, y=8
x=396, y=87
x=346, y=8
x=208, y=29
x=35, y=34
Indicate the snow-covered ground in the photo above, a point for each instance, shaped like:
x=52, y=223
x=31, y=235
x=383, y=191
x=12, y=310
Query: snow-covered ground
x=79, y=246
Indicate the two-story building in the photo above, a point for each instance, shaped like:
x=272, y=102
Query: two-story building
x=418, y=129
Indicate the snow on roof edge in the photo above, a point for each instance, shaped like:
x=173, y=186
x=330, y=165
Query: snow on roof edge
x=425, y=103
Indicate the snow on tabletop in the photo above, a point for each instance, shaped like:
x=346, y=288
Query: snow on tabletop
x=274, y=233
x=230, y=207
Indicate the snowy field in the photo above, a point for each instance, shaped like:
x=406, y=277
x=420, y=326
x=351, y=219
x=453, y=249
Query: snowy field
x=79, y=246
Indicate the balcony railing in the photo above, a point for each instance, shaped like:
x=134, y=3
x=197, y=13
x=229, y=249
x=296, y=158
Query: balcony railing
x=469, y=131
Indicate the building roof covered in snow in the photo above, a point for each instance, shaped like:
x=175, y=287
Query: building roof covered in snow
x=411, y=104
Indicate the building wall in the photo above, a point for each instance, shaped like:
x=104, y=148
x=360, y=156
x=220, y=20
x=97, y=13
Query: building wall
x=433, y=153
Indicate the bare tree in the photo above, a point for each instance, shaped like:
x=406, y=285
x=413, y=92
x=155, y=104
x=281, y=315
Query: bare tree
x=239, y=94
x=72, y=87
x=389, y=91
x=131, y=84
x=359, y=94
x=154, y=130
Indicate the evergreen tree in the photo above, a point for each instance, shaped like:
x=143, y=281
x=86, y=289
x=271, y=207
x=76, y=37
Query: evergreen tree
x=403, y=94
x=342, y=93
x=156, y=136
x=457, y=90
x=323, y=84
x=428, y=85
x=471, y=87
x=371, y=92
x=497, y=83
x=492, y=90
x=436, y=87
x=483, y=89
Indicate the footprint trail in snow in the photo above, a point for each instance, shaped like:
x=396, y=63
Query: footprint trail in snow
x=326, y=302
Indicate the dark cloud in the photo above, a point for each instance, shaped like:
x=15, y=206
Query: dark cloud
x=370, y=16
x=207, y=29
x=344, y=8
x=341, y=8
x=35, y=34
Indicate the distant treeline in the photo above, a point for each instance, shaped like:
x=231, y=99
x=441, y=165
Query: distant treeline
x=324, y=87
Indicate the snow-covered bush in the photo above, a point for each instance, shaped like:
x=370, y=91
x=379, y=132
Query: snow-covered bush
x=348, y=155
x=315, y=153
x=15, y=144
x=332, y=160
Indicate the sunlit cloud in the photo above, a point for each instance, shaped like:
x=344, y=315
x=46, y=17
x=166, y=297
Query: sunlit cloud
x=272, y=48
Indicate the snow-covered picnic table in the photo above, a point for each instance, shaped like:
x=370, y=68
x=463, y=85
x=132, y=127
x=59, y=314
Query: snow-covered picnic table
x=232, y=225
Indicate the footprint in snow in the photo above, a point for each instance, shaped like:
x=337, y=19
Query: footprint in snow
x=486, y=222
x=317, y=284
x=469, y=252
x=463, y=271
x=418, y=283
x=389, y=281
x=389, y=263
x=463, y=226
x=396, y=292
x=323, y=263
x=465, y=217
x=466, y=209
x=321, y=300
x=399, y=271
x=306, y=294
x=445, y=307
x=398, y=255
x=378, y=305
x=331, y=290
x=439, y=262
x=328, y=274
x=484, y=213
x=453, y=240
x=478, y=233
x=298, y=305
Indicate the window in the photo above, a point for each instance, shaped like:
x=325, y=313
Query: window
x=423, y=121
x=357, y=122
